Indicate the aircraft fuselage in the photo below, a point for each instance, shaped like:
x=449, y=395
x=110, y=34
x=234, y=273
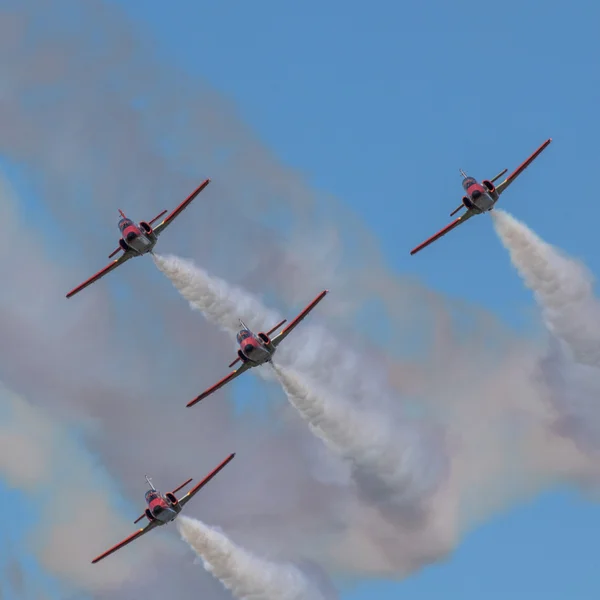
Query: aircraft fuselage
x=254, y=349
x=161, y=508
x=479, y=197
x=138, y=238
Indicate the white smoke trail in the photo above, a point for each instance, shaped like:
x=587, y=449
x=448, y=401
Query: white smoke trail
x=391, y=453
x=397, y=461
x=571, y=312
x=562, y=286
x=219, y=301
x=247, y=576
x=398, y=466
x=314, y=349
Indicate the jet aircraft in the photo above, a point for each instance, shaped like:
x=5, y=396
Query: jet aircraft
x=163, y=508
x=137, y=240
x=480, y=197
x=257, y=349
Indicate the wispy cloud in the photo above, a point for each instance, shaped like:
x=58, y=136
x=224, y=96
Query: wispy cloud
x=89, y=123
x=76, y=503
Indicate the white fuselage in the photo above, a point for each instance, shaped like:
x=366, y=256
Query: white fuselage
x=140, y=244
x=253, y=348
x=478, y=197
x=484, y=202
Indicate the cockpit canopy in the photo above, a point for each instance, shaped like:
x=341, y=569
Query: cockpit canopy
x=468, y=182
x=125, y=223
x=242, y=335
x=151, y=494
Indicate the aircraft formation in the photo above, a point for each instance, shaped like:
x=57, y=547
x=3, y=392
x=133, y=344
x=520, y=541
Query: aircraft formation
x=256, y=349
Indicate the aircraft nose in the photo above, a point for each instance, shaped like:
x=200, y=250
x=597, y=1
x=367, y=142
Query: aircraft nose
x=475, y=194
x=131, y=235
x=157, y=510
x=249, y=348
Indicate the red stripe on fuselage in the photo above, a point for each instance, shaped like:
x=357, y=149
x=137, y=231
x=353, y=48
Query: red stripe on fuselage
x=249, y=343
x=157, y=502
x=131, y=229
x=476, y=187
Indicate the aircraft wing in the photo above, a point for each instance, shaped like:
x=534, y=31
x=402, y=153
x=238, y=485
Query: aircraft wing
x=134, y=536
x=113, y=265
x=170, y=218
x=245, y=366
x=290, y=326
x=185, y=499
x=465, y=217
x=502, y=186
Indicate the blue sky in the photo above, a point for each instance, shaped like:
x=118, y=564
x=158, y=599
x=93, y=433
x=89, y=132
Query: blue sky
x=380, y=105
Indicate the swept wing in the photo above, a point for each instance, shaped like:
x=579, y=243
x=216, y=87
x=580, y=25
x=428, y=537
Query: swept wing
x=185, y=499
x=175, y=213
x=244, y=367
x=110, y=267
x=291, y=326
x=134, y=536
x=442, y=232
x=502, y=186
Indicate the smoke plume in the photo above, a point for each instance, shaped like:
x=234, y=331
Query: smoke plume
x=562, y=287
x=86, y=121
x=220, y=302
x=247, y=576
x=387, y=458
x=571, y=312
x=397, y=463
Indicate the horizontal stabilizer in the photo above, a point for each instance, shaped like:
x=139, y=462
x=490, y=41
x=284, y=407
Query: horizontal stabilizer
x=276, y=327
x=234, y=362
x=182, y=486
x=115, y=251
x=140, y=517
x=499, y=175
x=164, y=212
x=461, y=205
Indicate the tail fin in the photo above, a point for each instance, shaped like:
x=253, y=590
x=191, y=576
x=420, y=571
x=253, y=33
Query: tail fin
x=149, y=480
x=122, y=214
x=499, y=175
x=243, y=325
x=464, y=175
